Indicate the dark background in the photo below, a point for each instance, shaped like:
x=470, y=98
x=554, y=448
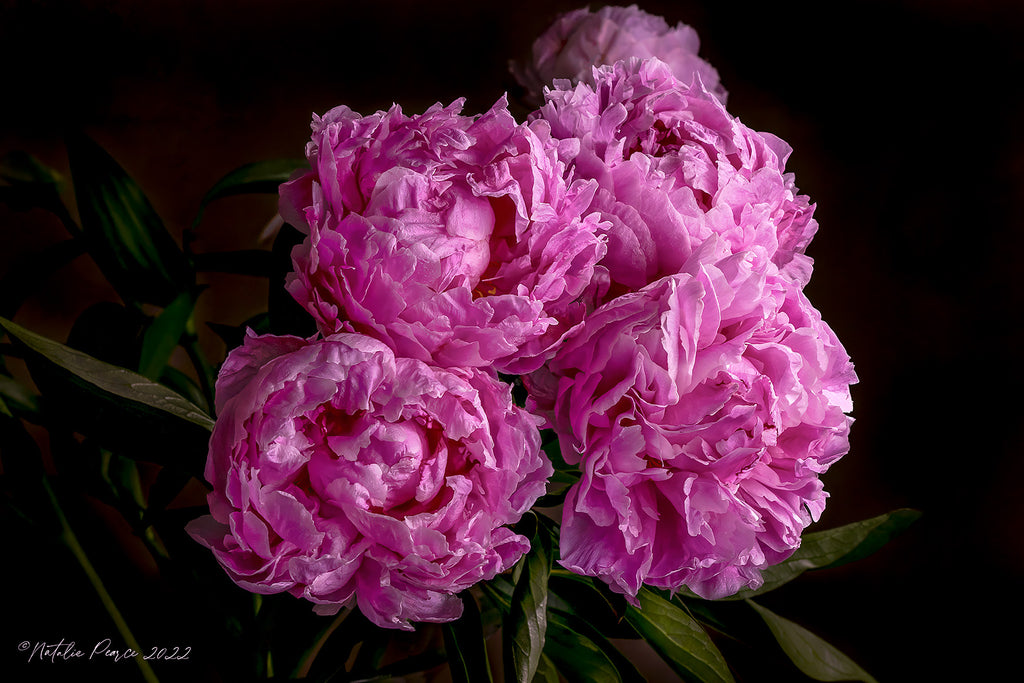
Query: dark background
x=906, y=121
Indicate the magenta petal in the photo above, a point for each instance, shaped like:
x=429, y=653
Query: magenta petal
x=674, y=168
x=701, y=410
x=434, y=233
x=343, y=473
x=581, y=39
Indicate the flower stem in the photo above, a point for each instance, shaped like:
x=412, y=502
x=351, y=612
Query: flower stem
x=71, y=541
x=203, y=368
x=302, y=670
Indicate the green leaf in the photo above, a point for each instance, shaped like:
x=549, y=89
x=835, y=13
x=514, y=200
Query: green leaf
x=18, y=399
x=810, y=653
x=464, y=643
x=834, y=547
x=526, y=623
x=180, y=383
x=569, y=633
x=32, y=184
x=121, y=477
x=869, y=535
x=578, y=658
x=547, y=672
x=123, y=232
x=592, y=601
x=254, y=178
x=624, y=668
x=163, y=335
x=706, y=612
x=117, y=406
x=21, y=168
x=678, y=638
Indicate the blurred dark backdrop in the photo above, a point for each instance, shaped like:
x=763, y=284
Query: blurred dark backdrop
x=906, y=120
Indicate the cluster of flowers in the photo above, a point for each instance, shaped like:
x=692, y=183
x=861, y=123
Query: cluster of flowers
x=632, y=251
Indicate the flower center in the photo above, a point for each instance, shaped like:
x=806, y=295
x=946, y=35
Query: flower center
x=364, y=460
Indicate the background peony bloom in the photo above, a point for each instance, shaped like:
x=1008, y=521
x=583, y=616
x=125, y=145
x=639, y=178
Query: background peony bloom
x=341, y=474
x=581, y=40
x=674, y=167
x=700, y=411
x=457, y=240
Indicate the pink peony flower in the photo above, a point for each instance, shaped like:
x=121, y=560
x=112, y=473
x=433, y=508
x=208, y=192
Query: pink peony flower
x=456, y=240
x=581, y=39
x=342, y=474
x=673, y=168
x=700, y=410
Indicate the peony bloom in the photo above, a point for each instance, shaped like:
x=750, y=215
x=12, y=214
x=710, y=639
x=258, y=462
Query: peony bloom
x=581, y=40
x=459, y=241
x=343, y=474
x=674, y=167
x=700, y=411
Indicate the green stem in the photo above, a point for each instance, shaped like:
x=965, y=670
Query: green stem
x=71, y=541
x=302, y=670
x=202, y=366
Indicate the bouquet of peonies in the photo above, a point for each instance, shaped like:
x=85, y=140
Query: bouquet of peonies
x=556, y=377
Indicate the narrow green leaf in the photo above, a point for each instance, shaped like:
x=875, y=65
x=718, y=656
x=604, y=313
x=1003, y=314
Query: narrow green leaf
x=678, y=638
x=32, y=184
x=870, y=535
x=464, y=643
x=590, y=600
x=254, y=178
x=21, y=168
x=526, y=624
x=122, y=476
x=18, y=399
x=834, y=547
x=163, y=335
x=810, y=653
x=578, y=658
x=706, y=612
x=124, y=234
x=108, y=378
x=624, y=668
x=547, y=672
x=115, y=405
x=568, y=634
x=180, y=383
